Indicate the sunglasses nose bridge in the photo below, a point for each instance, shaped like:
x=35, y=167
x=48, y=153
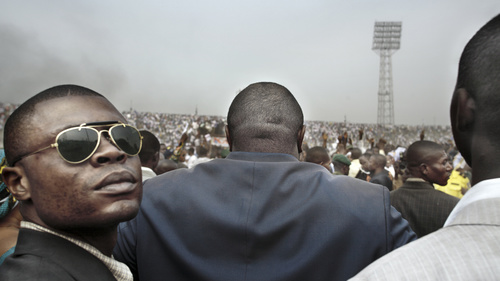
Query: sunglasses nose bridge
x=108, y=137
x=104, y=153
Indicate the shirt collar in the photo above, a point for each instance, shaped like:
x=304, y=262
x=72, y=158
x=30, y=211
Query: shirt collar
x=416, y=180
x=482, y=190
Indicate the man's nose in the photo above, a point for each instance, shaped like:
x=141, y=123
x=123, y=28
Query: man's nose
x=108, y=152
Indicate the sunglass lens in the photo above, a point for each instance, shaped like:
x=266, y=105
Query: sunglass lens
x=77, y=144
x=127, y=138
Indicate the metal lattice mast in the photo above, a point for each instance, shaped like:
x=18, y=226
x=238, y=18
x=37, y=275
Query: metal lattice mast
x=386, y=41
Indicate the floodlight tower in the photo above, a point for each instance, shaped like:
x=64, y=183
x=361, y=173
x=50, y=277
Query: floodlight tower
x=386, y=41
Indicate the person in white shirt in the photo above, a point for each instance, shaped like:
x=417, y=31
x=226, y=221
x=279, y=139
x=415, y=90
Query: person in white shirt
x=149, y=155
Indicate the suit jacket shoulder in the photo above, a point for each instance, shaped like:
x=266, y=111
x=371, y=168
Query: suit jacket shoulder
x=425, y=208
x=248, y=212
x=467, y=249
x=43, y=256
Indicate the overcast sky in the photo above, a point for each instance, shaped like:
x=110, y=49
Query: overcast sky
x=171, y=56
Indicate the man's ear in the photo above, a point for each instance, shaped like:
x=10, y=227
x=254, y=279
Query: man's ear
x=156, y=158
x=228, y=137
x=17, y=182
x=462, y=110
x=300, y=138
x=463, y=117
x=423, y=169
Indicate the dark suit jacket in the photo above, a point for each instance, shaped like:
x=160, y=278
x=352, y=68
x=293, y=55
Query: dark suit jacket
x=259, y=216
x=383, y=179
x=43, y=256
x=425, y=208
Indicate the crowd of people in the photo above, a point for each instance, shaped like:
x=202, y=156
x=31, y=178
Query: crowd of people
x=82, y=198
x=170, y=127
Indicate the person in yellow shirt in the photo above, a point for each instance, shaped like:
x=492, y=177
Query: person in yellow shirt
x=458, y=184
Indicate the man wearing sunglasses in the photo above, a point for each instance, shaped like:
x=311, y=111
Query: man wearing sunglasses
x=74, y=168
x=259, y=214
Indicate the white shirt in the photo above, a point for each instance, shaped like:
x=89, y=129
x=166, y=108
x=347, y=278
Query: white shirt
x=147, y=173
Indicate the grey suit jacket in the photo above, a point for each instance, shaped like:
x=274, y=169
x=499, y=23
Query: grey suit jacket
x=466, y=249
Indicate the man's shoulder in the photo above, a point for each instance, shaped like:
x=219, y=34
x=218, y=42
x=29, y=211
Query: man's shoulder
x=31, y=267
x=413, y=185
x=381, y=176
x=462, y=255
x=44, y=254
x=479, y=212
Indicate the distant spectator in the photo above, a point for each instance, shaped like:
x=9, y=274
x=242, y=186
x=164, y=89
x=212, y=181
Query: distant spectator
x=424, y=207
x=149, y=155
x=319, y=155
x=10, y=217
x=191, y=157
x=364, y=169
x=389, y=165
x=355, y=164
x=378, y=173
x=458, y=183
x=165, y=165
x=341, y=164
x=163, y=149
x=202, y=157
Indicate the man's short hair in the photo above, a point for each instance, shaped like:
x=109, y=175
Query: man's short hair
x=379, y=159
x=16, y=136
x=355, y=153
x=419, y=150
x=478, y=73
x=150, y=146
x=264, y=116
x=317, y=155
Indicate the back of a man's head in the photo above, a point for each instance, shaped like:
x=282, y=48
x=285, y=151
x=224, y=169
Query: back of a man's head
x=377, y=162
x=418, y=151
x=317, y=155
x=355, y=153
x=165, y=165
x=149, y=154
x=474, y=108
x=265, y=117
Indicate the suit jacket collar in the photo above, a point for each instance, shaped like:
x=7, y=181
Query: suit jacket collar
x=486, y=189
x=484, y=212
x=74, y=259
x=417, y=185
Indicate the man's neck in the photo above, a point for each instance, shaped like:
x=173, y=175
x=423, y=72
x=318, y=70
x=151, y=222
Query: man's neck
x=103, y=240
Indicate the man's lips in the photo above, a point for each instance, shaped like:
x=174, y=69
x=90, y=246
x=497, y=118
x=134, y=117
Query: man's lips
x=117, y=182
